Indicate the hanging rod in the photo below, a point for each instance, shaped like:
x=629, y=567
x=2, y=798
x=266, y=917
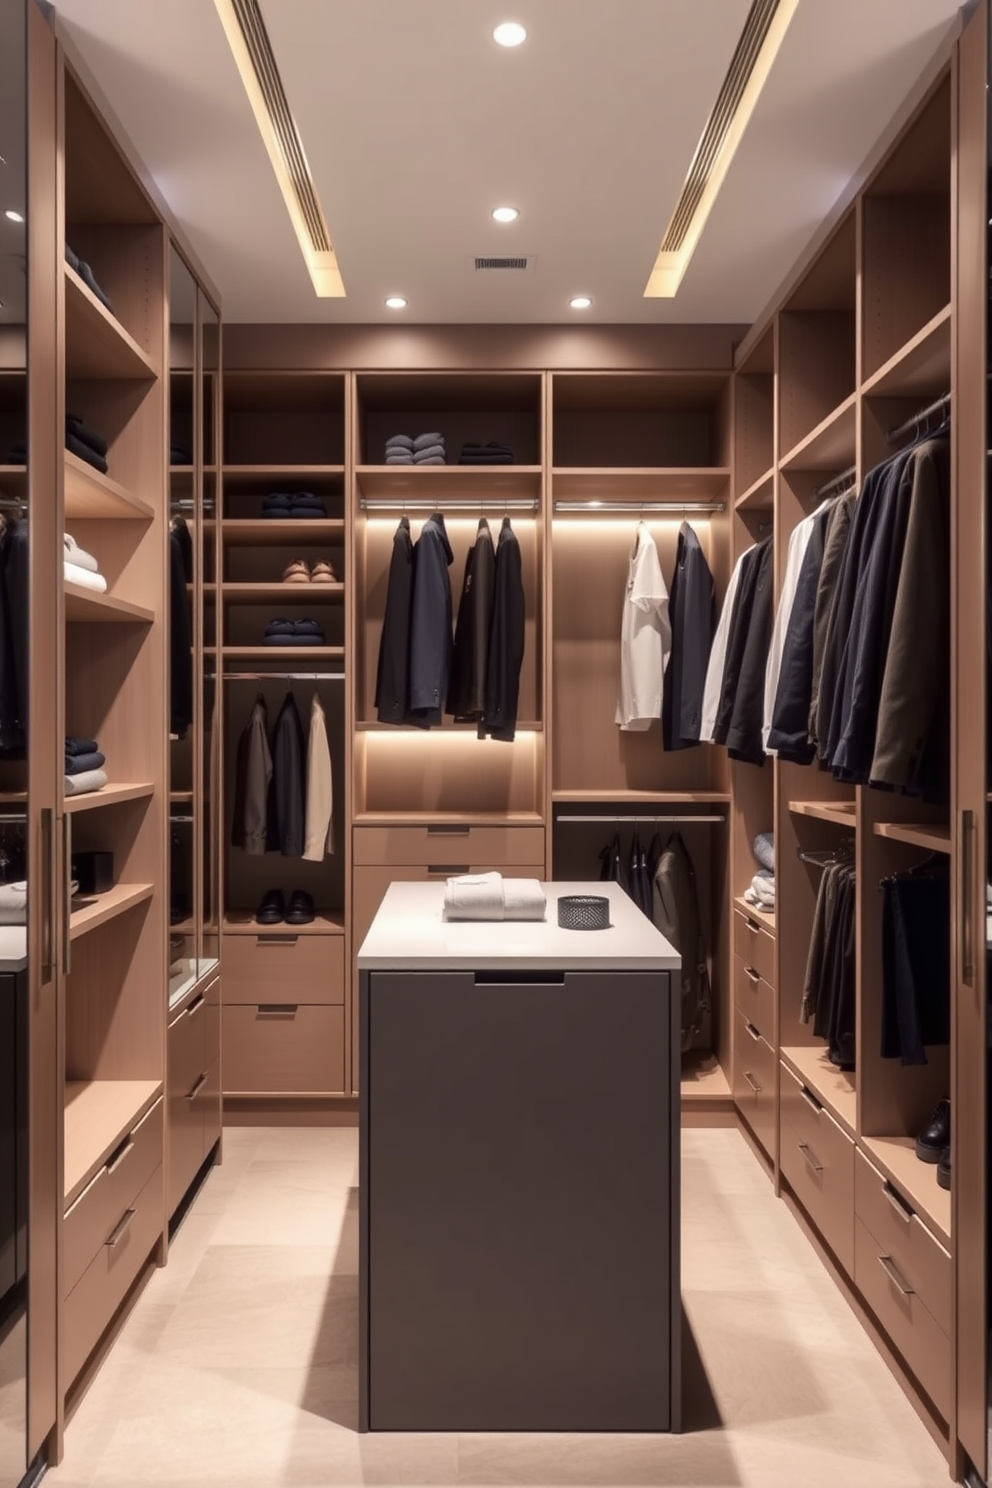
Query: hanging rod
x=612, y=821
x=280, y=677
x=13, y=503
x=175, y=816
x=608, y=507
x=827, y=489
x=11, y=818
x=911, y=424
x=490, y=504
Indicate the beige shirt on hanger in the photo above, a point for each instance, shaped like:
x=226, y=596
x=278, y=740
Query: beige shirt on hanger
x=319, y=836
x=645, y=637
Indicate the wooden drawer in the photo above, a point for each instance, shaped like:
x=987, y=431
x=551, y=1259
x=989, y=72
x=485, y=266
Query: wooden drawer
x=369, y=885
x=493, y=847
x=102, y=1202
x=186, y=1065
x=925, y=1347
x=124, y=1247
x=817, y=1158
x=755, y=946
x=920, y=1259
x=278, y=966
x=754, y=1081
x=755, y=999
x=276, y=1049
x=208, y=1097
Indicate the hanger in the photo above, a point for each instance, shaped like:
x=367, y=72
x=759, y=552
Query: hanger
x=833, y=857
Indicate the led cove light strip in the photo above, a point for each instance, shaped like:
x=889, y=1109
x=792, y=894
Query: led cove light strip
x=762, y=36
x=252, y=53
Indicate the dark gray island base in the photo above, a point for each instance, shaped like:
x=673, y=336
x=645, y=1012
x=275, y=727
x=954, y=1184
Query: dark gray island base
x=519, y=1172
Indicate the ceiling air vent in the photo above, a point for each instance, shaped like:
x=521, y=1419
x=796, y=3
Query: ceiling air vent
x=489, y=265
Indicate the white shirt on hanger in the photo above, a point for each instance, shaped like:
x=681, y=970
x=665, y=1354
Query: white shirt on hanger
x=718, y=656
x=645, y=637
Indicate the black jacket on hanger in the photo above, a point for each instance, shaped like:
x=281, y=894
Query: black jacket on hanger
x=506, y=640
x=391, y=698
x=467, y=687
x=789, y=733
x=741, y=714
x=288, y=781
x=690, y=606
x=14, y=635
x=430, y=623
x=676, y=914
x=740, y=620
x=180, y=631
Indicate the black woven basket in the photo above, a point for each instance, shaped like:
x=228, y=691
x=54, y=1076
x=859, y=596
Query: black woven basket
x=584, y=912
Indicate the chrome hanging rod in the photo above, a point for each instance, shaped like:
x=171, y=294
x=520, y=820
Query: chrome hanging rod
x=175, y=816
x=912, y=424
x=846, y=478
x=607, y=508
x=613, y=821
x=281, y=677
x=13, y=503
x=445, y=504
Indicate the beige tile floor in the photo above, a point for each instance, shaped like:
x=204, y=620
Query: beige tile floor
x=238, y=1364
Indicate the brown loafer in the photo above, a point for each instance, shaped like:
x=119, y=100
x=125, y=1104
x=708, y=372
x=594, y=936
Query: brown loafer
x=296, y=573
x=323, y=572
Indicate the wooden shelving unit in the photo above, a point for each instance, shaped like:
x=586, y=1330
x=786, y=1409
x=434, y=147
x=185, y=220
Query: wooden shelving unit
x=840, y=813
x=921, y=368
x=445, y=482
x=97, y=1114
x=90, y=495
x=285, y=653
x=85, y=605
x=831, y=445
x=97, y=344
x=689, y=483
x=763, y=916
x=324, y=923
x=99, y=909
x=896, y=1156
x=834, y=1087
x=266, y=532
x=758, y=496
x=932, y=836
x=308, y=593
x=115, y=793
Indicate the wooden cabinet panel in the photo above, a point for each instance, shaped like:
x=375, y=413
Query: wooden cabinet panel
x=208, y=1098
x=278, y=966
x=369, y=884
x=920, y=1259
x=493, y=846
x=186, y=1064
x=901, y=1312
x=99, y=1207
x=817, y=1158
x=755, y=946
x=280, y=1049
x=755, y=999
x=754, y=1081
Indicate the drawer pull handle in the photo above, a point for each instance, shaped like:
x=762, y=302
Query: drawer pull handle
x=898, y=1202
x=120, y=1229
x=116, y=1158
x=197, y=1088
x=810, y=1099
x=276, y=940
x=752, y=1031
x=753, y=927
x=886, y=1264
x=195, y=1006
x=440, y=830
x=752, y=1082
x=751, y=974
x=809, y=1157
x=448, y=869
x=277, y=1009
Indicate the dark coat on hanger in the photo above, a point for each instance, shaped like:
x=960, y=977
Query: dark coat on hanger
x=743, y=717
x=690, y=606
x=252, y=779
x=676, y=915
x=289, y=781
x=789, y=732
x=467, y=687
x=430, y=623
x=740, y=620
x=834, y=547
x=506, y=640
x=391, y=690
x=14, y=635
x=180, y=630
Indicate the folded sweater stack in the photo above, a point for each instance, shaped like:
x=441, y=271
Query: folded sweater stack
x=84, y=764
x=761, y=890
x=486, y=454
x=80, y=567
x=489, y=896
x=83, y=442
x=426, y=449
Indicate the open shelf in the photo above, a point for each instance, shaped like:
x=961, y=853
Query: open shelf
x=325, y=922
x=762, y=916
x=841, y=813
x=447, y=818
x=14, y=480
x=469, y=482
x=103, y=609
x=97, y=909
x=110, y=795
x=287, y=472
x=284, y=653
x=934, y=836
x=918, y=1180
x=96, y=344
x=835, y=1087
x=265, y=532
x=654, y=483
x=449, y=726
x=98, y=1114
x=759, y=495
x=648, y=798
x=88, y=494
x=238, y=593
x=922, y=366
x=831, y=445
x=703, y=1082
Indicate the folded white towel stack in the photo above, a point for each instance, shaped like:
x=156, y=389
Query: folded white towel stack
x=84, y=577
x=489, y=896
x=79, y=556
x=84, y=782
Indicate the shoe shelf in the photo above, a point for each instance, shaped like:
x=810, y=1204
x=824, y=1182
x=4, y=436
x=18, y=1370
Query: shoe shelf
x=896, y=1156
x=237, y=593
x=97, y=345
x=97, y=1115
x=325, y=922
x=270, y=532
x=88, y=495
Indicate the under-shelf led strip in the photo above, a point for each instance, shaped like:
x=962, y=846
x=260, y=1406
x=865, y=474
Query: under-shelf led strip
x=397, y=503
x=607, y=508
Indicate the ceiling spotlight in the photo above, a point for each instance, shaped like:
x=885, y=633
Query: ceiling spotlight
x=13, y=216
x=580, y=302
x=395, y=302
x=509, y=34
x=505, y=214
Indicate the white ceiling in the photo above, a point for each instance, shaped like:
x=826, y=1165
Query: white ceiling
x=416, y=124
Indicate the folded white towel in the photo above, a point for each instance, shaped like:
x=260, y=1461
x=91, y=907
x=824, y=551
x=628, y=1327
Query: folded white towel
x=474, y=896
x=77, y=555
x=763, y=884
x=88, y=780
x=523, y=899
x=14, y=903
x=84, y=578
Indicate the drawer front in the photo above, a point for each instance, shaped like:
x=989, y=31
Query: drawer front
x=925, y=1347
x=755, y=946
x=429, y=845
x=754, y=1081
x=102, y=1202
x=275, y=1049
x=123, y=1250
x=369, y=885
x=186, y=1063
x=755, y=999
x=920, y=1259
x=278, y=966
x=817, y=1158
x=208, y=1098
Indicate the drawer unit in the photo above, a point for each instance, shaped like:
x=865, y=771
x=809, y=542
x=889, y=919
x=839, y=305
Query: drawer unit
x=98, y=1208
x=754, y=1080
x=919, y=1258
x=442, y=843
x=278, y=966
x=755, y=998
x=923, y=1344
x=369, y=884
x=817, y=1159
x=123, y=1248
x=755, y=946
x=276, y=1048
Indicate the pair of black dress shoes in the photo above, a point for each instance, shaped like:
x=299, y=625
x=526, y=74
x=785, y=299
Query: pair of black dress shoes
x=933, y=1145
x=274, y=910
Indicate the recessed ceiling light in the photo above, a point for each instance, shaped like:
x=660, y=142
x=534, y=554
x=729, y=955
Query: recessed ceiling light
x=580, y=302
x=505, y=214
x=509, y=34
x=13, y=216
x=395, y=302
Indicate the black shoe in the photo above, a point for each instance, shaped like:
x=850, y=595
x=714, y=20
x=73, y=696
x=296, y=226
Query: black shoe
x=272, y=910
x=300, y=911
x=944, y=1169
x=936, y=1135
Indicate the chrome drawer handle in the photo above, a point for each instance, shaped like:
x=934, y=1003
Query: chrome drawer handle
x=886, y=1264
x=120, y=1229
x=195, y=1006
x=752, y=1031
x=752, y=1082
x=197, y=1088
x=809, y=1157
x=116, y=1158
x=810, y=1099
x=751, y=975
x=897, y=1202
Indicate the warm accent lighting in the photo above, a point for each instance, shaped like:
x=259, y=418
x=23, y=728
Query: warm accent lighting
x=253, y=57
x=759, y=43
x=509, y=34
x=580, y=302
x=505, y=214
x=395, y=302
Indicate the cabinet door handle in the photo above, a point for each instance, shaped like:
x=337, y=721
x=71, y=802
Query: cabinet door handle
x=897, y=1202
x=886, y=1264
x=195, y=1006
x=276, y=940
x=197, y=1087
x=810, y=1099
x=752, y=1031
x=67, y=879
x=49, y=893
x=752, y=1082
x=809, y=1157
x=277, y=1009
x=967, y=929
x=448, y=869
x=440, y=830
x=116, y=1158
x=120, y=1229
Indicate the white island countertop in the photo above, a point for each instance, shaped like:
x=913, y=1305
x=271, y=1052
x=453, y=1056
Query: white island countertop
x=409, y=933
x=13, y=947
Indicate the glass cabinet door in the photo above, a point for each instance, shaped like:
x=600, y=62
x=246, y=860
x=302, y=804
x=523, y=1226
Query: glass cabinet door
x=210, y=763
